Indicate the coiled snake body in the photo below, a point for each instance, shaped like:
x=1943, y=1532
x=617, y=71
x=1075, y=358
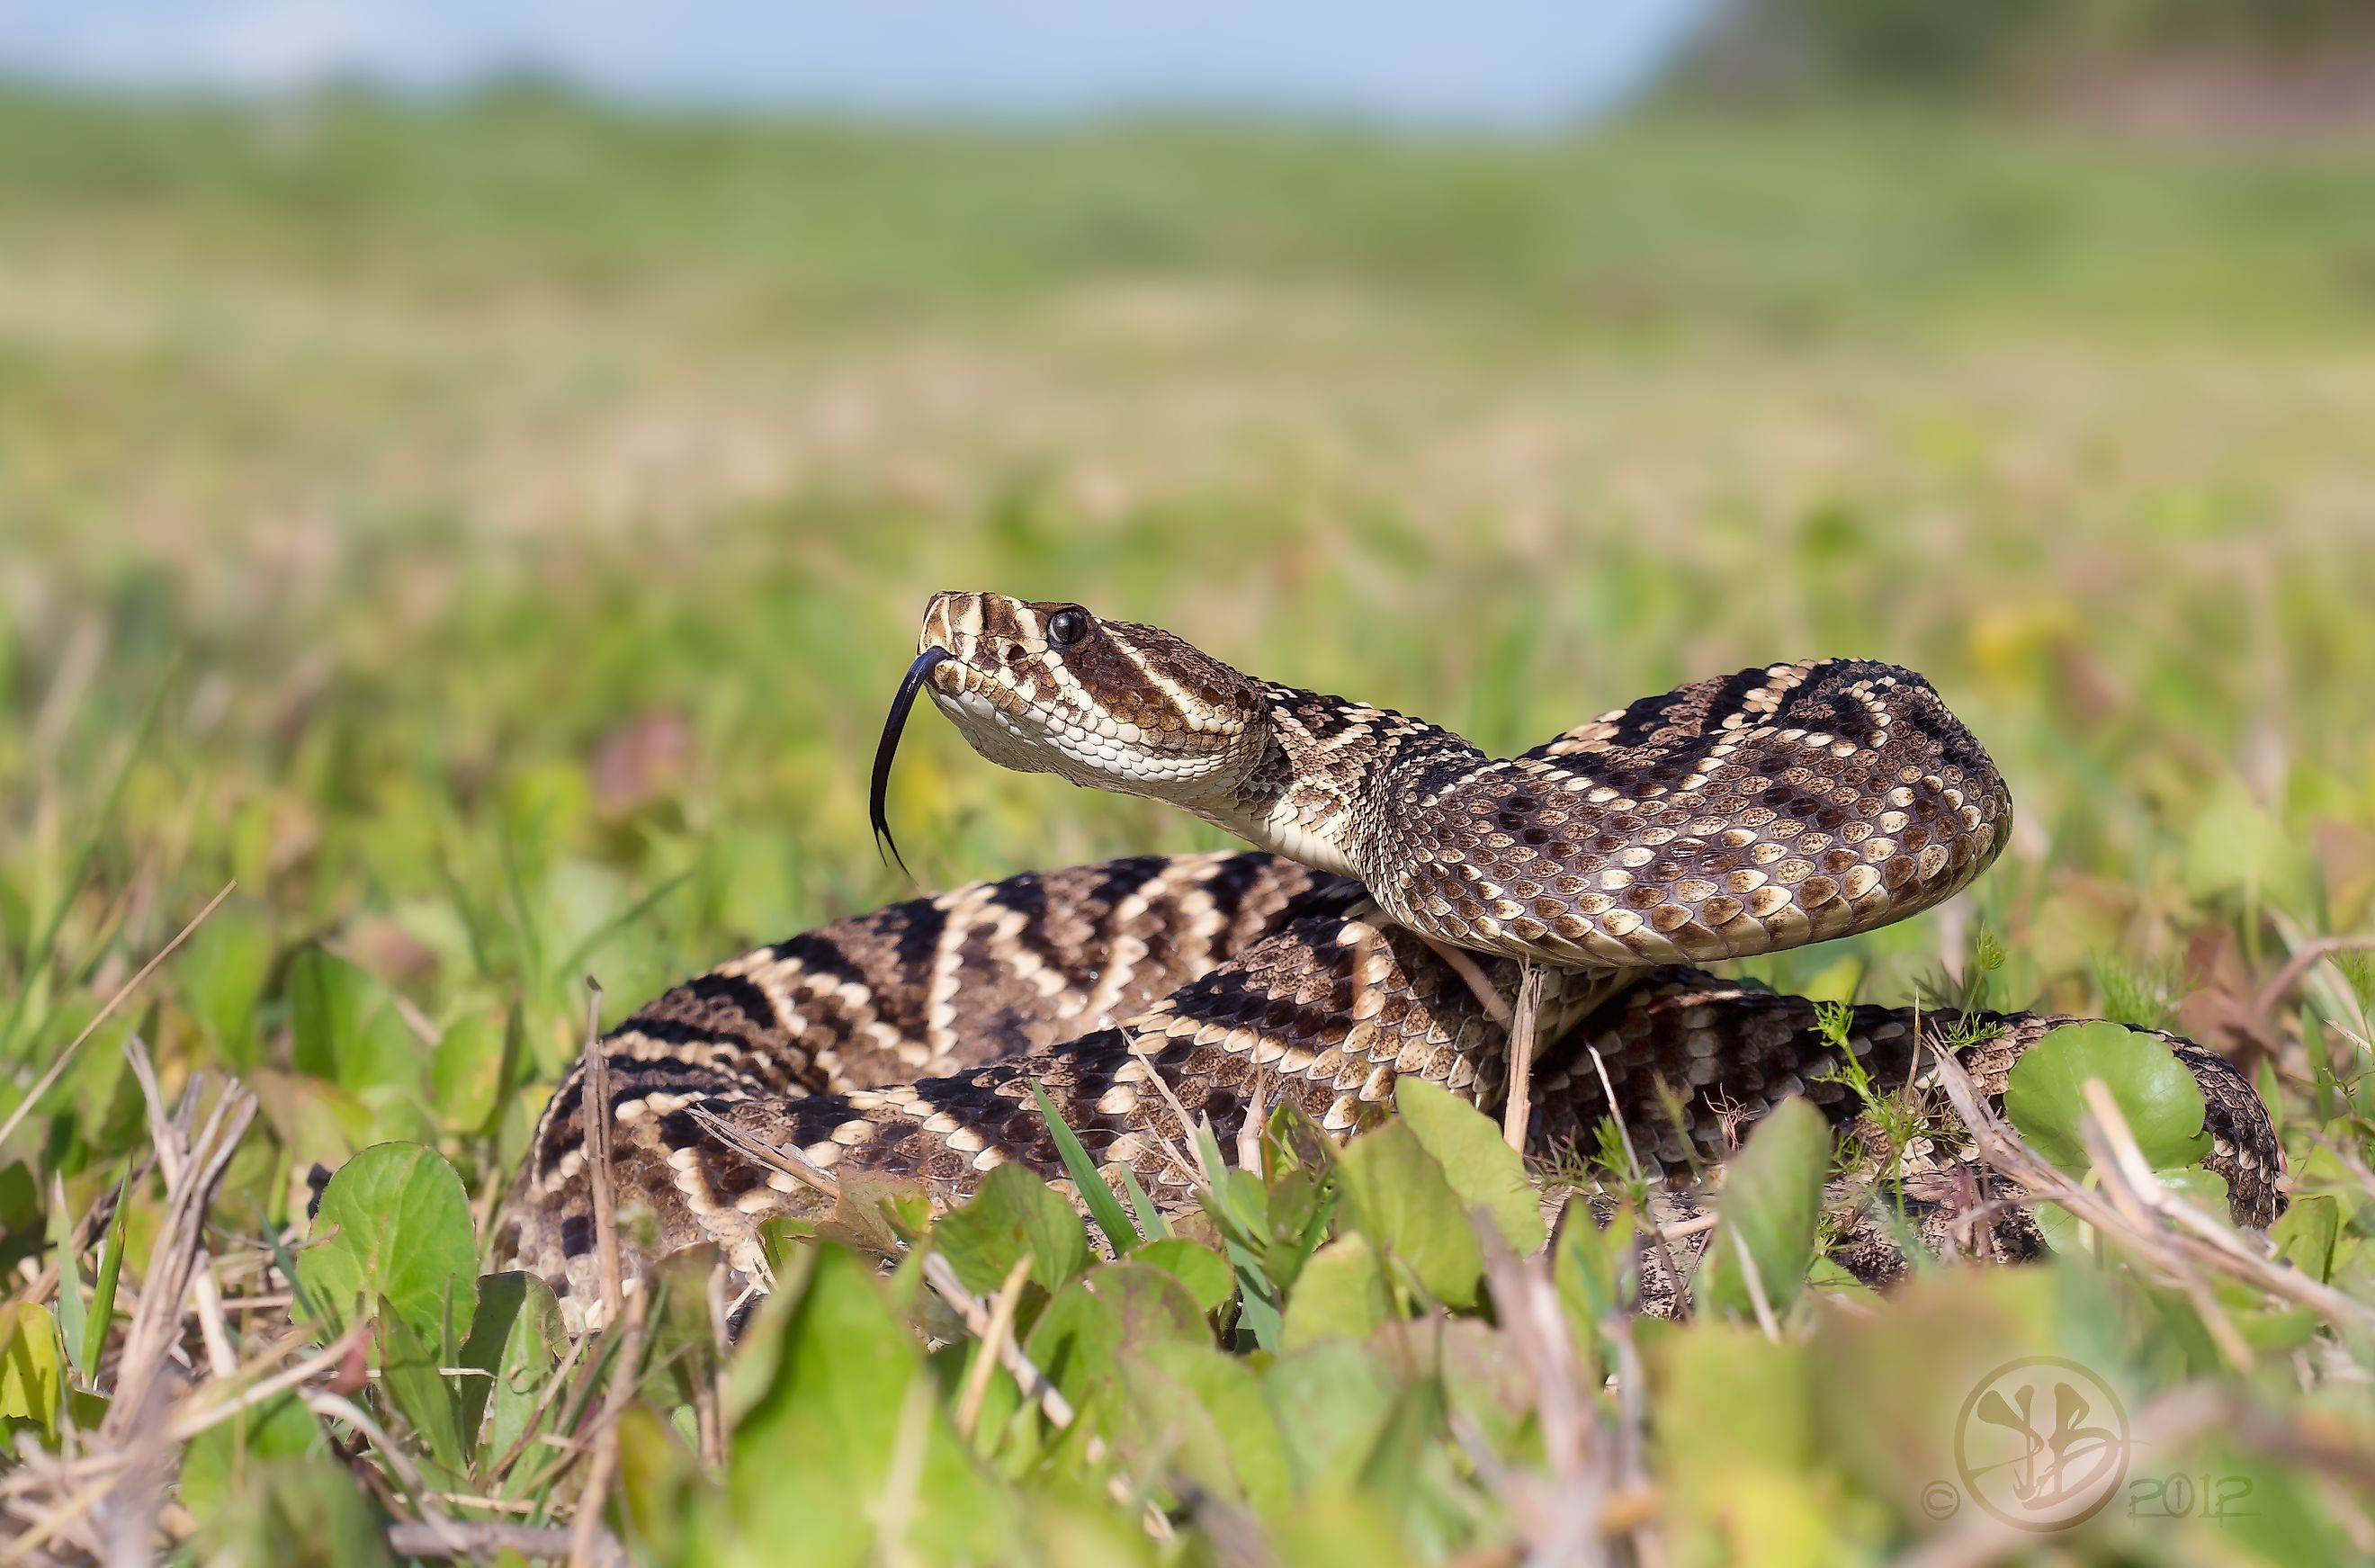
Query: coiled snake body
x=1728, y=818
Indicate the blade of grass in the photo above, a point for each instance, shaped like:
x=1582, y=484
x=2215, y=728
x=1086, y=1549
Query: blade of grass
x=70, y=1301
x=111, y=1264
x=602, y=933
x=1103, y=1207
x=38, y=956
x=33, y=1095
x=1151, y=1224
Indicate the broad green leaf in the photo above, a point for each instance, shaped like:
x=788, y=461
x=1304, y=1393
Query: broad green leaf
x=222, y=973
x=1231, y=1393
x=468, y=1076
x=299, y=1512
x=217, y=1462
x=1204, y=1272
x=2045, y=1096
x=411, y=1376
x=1338, y=1530
x=2236, y=847
x=879, y=1212
x=2305, y=1236
x=402, y=1232
x=1343, y=1294
x=71, y=1307
x=1407, y=1473
x=1155, y=1420
x=346, y=1029
x=657, y=1468
x=1728, y=1396
x=1485, y=1381
x=325, y=1008
x=516, y=1338
x=1595, y=1269
x=1772, y=1202
x=814, y=1453
x=1404, y=1204
x=1079, y=1337
x=1480, y=1166
x=2206, y=1190
x=1013, y=1213
x=1331, y=1400
x=32, y=1379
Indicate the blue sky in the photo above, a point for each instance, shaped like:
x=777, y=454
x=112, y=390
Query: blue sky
x=1511, y=63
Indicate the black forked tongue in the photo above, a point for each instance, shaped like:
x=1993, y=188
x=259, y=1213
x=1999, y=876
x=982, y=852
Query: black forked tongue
x=888, y=748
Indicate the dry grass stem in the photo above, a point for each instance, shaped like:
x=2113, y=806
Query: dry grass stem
x=2186, y=1231
x=605, y=1460
x=1035, y=1385
x=1464, y=966
x=992, y=1345
x=595, y=1118
x=1519, y=1109
x=1754, y=1279
x=1616, y=1114
x=1186, y=1123
x=2263, y=1007
x=42, y=1085
x=479, y=1540
x=790, y=1161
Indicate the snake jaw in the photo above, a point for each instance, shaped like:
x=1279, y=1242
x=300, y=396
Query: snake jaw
x=894, y=723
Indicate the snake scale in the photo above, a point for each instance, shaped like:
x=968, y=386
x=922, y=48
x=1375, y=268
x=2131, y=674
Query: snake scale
x=1401, y=883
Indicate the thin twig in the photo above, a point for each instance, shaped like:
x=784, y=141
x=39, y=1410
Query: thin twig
x=1617, y=1113
x=1037, y=1387
x=1491, y=1000
x=1186, y=1128
x=943, y=1277
x=2130, y=1183
x=595, y=1117
x=338, y=1407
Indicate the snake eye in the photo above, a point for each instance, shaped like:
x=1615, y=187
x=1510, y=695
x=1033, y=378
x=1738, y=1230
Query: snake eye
x=1066, y=626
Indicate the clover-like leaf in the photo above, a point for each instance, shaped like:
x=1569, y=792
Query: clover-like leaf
x=403, y=1232
x=1205, y=1272
x=2046, y=1099
x=1476, y=1159
x=1014, y=1213
x=1404, y=1204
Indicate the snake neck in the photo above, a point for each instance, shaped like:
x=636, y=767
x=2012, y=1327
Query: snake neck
x=1319, y=793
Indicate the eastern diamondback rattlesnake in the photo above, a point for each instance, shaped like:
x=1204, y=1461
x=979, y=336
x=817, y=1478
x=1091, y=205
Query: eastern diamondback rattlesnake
x=1728, y=817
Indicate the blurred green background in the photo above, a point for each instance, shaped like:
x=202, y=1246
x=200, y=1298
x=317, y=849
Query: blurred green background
x=489, y=528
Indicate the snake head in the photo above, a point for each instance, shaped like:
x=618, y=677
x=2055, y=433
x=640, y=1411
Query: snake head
x=1050, y=687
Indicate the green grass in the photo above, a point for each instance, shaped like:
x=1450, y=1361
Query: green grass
x=490, y=533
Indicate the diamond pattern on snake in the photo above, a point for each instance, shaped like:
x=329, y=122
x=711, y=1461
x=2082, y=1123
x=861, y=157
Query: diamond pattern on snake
x=1398, y=883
